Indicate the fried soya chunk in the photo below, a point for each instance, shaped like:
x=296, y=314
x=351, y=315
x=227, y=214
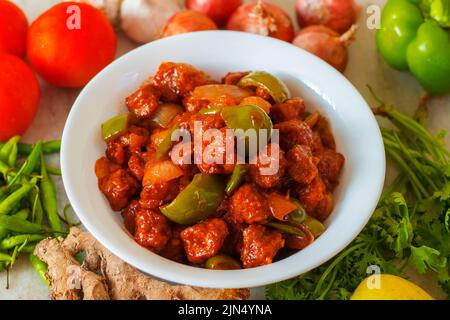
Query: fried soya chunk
x=176, y=80
x=205, y=122
x=233, y=242
x=324, y=208
x=311, y=194
x=260, y=245
x=143, y=102
x=204, y=240
x=233, y=78
x=293, y=132
x=194, y=105
x=119, y=188
x=324, y=129
x=136, y=164
x=291, y=109
x=268, y=171
x=155, y=195
x=153, y=229
x=330, y=164
x=104, y=167
x=214, y=155
x=248, y=205
x=133, y=140
x=174, y=249
x=129, y=215
x=301, y=164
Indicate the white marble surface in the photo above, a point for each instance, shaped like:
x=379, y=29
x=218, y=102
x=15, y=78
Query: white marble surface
x=365, y=67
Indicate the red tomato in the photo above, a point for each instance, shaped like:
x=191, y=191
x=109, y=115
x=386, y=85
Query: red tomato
x=188, y=21
x=262, y=18
x=218, y=10
x=19, y=96
x=70, y=43
x=13, y=29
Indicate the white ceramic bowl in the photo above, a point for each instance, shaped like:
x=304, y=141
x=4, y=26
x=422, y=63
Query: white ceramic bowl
x=218, y=52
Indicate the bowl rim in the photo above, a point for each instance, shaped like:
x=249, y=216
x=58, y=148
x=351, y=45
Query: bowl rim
x=254, y=277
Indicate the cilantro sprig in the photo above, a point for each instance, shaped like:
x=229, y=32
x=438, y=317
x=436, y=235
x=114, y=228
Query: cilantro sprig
x=410, y=225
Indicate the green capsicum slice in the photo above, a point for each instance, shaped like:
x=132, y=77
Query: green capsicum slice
x=222, y=262
x=298, y=216
x=236, y=178
x=115, y=126
x=164, y=147
x=247, y=117
x=315, y=226
x=276, y=88
x=197, y=201
x=285, y=228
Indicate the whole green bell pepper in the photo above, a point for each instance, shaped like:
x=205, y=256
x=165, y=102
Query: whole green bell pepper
x=413, y=37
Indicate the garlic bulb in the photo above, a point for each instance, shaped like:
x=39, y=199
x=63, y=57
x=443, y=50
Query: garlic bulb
x=143, y=20
x=110, y=7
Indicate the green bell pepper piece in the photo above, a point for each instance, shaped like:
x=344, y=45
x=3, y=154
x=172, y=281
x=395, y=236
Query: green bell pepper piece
x=276, y=88
x=222, y=262
x=115, y=126
x=236, y=178
x=197, y=201
x=429, y=58
x=400, y=20
x=166, y=144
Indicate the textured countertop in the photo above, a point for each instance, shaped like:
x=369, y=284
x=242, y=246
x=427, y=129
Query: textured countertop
x=365, y=67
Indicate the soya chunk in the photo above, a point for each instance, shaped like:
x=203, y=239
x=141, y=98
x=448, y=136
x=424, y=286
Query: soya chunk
x=260, y=245
x=204, y=240
x=152, y=229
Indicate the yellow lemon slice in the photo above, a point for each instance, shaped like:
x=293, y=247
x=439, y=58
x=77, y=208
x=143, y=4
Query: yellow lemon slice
x=389, y=287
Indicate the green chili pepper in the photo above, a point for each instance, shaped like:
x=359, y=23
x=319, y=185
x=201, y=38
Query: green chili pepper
x=222, y=262
x=40, y=267
x=49, y=147
x=413, y=39
x=299, y=215
x=53, y=171
x=197, y=201
x=164, y=147
x=48, y=198
x=33, y=159
x=8, y=204
x=276, y=88
x=236, y=178
x=13, y=241
x=28, y=248
x=37, y=212
x=315, y=226
x=12, y=158
x=285, y=228
x=22, y=214
x=17, y=224
x=5, y=257
x=115, y=126
x=7, y=147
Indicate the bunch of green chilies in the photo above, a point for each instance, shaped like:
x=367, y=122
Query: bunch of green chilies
x=28, y=203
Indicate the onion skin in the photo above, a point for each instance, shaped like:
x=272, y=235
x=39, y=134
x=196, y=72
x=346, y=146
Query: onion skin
x=218, y=10
x=338, y=15
x=188, y=21
x=143, y=20
x=326, y=44
x=264, y=19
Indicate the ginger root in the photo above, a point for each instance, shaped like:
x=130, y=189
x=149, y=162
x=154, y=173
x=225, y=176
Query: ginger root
x=103, y=276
